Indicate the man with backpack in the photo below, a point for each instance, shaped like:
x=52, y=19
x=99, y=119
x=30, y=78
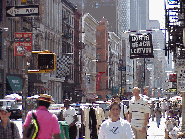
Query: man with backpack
x=48, y=126
x=8, y=129
x=124, y=110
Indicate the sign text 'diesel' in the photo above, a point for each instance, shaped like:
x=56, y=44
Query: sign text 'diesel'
x=141, y=46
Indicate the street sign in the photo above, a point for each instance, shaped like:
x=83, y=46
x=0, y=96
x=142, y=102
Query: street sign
x=23, y=43
x=181, y=79
x=19, y=11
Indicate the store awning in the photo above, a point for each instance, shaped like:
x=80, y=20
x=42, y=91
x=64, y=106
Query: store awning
x=91, y=96
x=15, y=83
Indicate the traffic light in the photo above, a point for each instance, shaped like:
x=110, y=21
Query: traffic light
x=46, y=61
x=23, y=1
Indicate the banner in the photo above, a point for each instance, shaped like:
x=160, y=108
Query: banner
x=23, y=43
x=98, y=81
x=141, y=46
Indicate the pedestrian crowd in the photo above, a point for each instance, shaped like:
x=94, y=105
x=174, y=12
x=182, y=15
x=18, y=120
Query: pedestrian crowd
x=123, y=122
x=172, y=112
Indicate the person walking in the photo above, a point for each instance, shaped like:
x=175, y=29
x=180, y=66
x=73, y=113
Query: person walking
x=138, y=114
x=158, y=115
x=124, y=110
x=115, y=127
x=8, y=129
x=69, y=115
x=163, y=107
x=48, y=123
x=152, y=108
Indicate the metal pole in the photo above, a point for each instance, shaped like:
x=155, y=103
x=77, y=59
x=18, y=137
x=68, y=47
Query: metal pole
x=183, y=111
x=121, y=78
x=25, y=87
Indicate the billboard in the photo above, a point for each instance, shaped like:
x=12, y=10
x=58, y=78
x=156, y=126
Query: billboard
x=141, y=46
x=23, y=43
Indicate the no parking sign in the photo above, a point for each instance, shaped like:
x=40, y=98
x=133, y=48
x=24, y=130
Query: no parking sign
x=23, y=43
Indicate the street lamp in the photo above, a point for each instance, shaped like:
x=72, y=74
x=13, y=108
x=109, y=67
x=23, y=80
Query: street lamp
x=120, y=68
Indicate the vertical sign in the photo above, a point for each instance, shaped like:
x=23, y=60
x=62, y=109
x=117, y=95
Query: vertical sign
x=23, y=43
x=181, y=80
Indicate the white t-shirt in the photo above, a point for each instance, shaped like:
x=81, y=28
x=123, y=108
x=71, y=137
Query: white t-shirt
x=68, y=115
x=120, y=129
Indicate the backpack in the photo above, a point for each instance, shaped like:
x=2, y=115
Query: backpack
x=33, y=128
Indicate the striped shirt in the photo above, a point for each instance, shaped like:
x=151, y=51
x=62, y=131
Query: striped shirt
x=6, y=133
x=138, y=108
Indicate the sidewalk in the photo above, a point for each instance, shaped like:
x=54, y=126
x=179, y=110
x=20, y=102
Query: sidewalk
x=154, y=132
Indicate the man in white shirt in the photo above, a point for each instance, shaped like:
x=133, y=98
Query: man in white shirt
x=138, y=114
x=69, y=115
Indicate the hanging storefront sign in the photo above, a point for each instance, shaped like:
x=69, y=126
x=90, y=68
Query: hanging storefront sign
x=141, y=46
x=23, y=43
x=181, y=79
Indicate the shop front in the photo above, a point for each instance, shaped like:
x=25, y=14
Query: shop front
x=14, y=83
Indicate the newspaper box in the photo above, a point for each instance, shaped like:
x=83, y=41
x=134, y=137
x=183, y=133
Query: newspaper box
x=64, y=130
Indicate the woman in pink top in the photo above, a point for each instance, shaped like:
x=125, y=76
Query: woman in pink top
x=48, y=123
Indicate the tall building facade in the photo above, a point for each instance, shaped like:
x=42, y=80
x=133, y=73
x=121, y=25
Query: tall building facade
x=89, y=25
x=52, y=30
x=102, y=58
x=139, y=14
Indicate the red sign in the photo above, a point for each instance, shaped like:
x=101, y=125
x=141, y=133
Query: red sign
x=173, y=77
x=23, y=43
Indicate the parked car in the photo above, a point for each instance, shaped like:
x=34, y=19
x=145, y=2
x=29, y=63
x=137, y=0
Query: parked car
x=16, y=111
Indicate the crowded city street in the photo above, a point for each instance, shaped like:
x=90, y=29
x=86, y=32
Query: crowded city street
x=92, y=69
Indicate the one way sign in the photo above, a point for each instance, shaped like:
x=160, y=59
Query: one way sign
x=19, y=11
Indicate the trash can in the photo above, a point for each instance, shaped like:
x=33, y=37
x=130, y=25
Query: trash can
x=64, y=130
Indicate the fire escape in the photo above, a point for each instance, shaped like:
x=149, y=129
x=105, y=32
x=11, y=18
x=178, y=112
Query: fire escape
x=174, y=23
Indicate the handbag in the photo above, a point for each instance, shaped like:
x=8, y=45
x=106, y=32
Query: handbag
x=33, y=128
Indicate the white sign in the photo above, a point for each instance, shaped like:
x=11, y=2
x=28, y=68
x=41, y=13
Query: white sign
x=24, y=10
x=14, y=11
x=181, y=79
